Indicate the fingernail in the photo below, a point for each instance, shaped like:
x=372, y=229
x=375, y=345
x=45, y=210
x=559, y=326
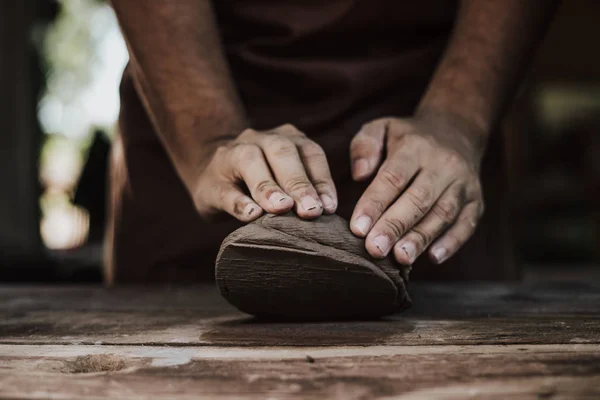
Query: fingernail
x=363, y=224
x=383, y=244
x=328, y=202
x=410, y=250
x=250, y=209
x=440, y=254
x=361, y=167
x=277, y=199
x=309, y=203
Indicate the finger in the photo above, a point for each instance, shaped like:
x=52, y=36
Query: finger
x=288, y=169
x=251, y=167
x=436, y=222
x=458, y=234
x=230, y=198
x=366, y=149
x=317, y=169
x=391, y=180
x=401, y=216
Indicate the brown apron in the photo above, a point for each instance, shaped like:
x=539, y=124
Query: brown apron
x=325, y=66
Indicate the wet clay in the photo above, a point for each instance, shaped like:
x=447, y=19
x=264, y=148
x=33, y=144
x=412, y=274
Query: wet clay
x=283, y=267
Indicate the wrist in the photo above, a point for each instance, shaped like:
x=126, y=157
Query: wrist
x=470, y=128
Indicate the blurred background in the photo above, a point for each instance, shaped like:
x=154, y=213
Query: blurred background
x=60, y=67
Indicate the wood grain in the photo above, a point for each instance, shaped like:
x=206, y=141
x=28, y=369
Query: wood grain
x=405, y=372
x=530, y=341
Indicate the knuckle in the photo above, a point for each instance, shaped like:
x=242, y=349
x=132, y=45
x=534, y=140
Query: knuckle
x=221, y=152
x=421, y=198
x=222, y=192
x=289, y=129
x=455, y=160
x=359, y=141
x=431, y=177
x=297, y=184
x=247, y=152
x=311, y=149
x=247, y=133
x=377, y=204
x=265, y=186
x=361, y=148
x=424, y=238
x=282, y=147
x=322, y=184
x=453, y=242
x=473, y=190
x=414, y=138
x=447, y=210
x=364, y=143
x=399, y=141
x=392, y=178
x=385, y=122
x=394, y=226
x=365, y=126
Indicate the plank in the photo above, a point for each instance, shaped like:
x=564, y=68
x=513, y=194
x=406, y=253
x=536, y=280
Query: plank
x=197, y=316
x=415, y=372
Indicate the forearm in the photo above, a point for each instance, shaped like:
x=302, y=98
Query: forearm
x=182, y=77
x=491, y=45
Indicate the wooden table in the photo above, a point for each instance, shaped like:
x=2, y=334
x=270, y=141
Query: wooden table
x=486, y=341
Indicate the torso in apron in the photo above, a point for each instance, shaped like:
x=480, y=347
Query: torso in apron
x=323, y=65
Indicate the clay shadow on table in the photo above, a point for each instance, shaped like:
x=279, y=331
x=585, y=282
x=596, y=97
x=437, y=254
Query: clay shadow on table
x=253, y=331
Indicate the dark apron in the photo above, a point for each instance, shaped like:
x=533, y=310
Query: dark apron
x=325, y=66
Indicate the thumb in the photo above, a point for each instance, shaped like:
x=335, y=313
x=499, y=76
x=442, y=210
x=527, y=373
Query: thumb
x=366, y=149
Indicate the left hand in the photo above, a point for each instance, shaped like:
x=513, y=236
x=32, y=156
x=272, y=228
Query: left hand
x=427, y=191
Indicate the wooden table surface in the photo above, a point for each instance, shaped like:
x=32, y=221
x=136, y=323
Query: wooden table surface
x=481, y=340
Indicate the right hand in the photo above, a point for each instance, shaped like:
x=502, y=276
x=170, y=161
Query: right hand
x=280, y=169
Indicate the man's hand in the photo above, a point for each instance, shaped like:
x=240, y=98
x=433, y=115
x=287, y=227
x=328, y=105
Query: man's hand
x=270, y=171
x=426, y=191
